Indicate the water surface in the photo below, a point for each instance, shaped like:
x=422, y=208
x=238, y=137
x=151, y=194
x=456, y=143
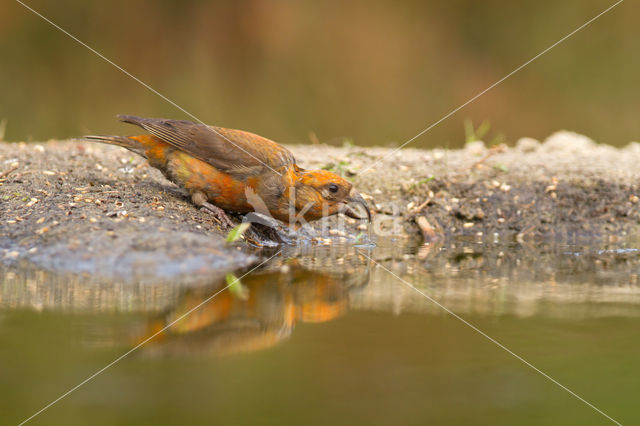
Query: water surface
x=336, y=334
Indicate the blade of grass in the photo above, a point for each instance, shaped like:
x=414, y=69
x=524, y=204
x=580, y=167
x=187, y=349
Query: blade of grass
x=236, y=233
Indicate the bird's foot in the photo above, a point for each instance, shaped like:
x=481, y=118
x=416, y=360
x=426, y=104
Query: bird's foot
x=218, y=213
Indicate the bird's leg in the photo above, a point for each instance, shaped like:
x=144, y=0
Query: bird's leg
x=200, y=200
x=218, y=213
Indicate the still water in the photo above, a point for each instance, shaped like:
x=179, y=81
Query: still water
x=336, y=335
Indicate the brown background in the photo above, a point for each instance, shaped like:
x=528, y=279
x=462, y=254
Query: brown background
x=376, y=72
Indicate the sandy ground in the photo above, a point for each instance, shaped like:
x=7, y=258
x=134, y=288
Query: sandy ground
x=564, y=188
x=98, y=210
x=102, y=210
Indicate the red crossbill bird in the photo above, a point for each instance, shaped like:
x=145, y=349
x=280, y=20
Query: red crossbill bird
x=237, y=171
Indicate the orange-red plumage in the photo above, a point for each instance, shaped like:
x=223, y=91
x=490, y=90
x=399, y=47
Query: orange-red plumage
x=237, y=171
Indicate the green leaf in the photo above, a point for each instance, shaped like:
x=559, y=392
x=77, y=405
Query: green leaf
x=236, y=288
x=472, y=134
x=482, y=131
x=237, y=232
x=469, y=134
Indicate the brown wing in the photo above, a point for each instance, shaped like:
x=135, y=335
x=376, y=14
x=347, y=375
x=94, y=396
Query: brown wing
x=228, y=150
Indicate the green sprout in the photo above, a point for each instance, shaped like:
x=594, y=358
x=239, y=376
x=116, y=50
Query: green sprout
x=422, y=182
x=472, y=134
x=236, y=233
x=342, y=168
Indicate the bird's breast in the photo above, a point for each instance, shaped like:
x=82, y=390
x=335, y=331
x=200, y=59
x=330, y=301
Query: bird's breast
x=222, y=189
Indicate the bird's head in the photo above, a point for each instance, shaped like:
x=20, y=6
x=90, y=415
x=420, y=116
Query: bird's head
x=321, y=193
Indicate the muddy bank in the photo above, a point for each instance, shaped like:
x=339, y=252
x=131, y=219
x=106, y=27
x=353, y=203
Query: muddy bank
x=100, y=209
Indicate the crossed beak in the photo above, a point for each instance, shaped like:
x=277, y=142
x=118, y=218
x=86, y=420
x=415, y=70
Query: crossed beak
x=355, y=197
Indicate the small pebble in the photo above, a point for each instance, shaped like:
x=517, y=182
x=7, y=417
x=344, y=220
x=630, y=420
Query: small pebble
x=12, y=255
x=42, y=230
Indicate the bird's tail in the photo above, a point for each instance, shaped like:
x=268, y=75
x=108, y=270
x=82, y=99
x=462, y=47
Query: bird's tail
x=123, y=141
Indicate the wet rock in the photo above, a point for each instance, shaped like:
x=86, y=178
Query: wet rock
x=133, y=255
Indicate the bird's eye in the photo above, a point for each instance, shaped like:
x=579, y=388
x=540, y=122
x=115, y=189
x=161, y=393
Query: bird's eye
x=333, y=188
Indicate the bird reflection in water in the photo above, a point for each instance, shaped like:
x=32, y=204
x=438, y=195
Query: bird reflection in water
x=272, y=304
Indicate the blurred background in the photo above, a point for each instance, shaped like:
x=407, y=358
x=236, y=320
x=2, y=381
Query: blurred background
x=372, y=72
